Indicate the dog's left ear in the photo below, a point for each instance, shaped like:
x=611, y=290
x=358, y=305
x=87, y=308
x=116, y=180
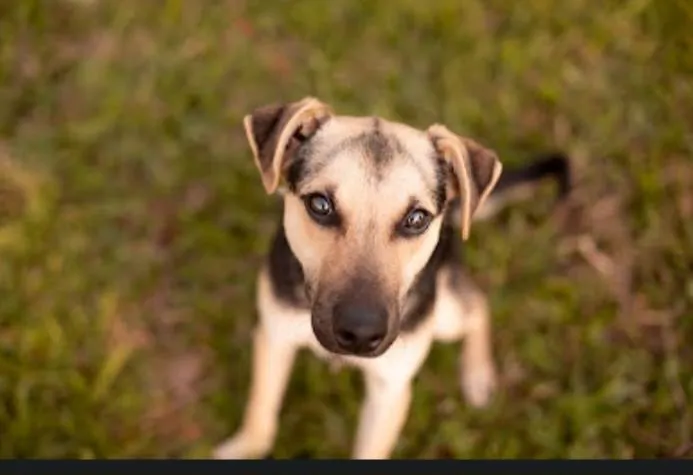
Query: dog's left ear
x=275, y=132
x=476, y=170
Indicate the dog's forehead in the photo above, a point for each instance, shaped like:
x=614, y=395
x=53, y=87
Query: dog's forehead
x=372, y=159
x=377, y=146
x=351, y=132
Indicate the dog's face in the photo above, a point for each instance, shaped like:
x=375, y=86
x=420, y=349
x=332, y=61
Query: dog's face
x=363, y=210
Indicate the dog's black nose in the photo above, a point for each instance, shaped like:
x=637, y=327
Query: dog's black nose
x=359, y=329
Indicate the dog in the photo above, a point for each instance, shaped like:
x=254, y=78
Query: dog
x=365, y=265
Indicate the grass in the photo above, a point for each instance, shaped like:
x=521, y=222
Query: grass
x=132, y=220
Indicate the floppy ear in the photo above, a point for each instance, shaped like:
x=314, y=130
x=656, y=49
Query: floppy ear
x=476, y=170
x=275, y=132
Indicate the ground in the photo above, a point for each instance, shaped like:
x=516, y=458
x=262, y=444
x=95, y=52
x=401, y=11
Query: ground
x=132, y=219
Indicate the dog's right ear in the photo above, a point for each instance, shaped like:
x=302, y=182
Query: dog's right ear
x=275, y=132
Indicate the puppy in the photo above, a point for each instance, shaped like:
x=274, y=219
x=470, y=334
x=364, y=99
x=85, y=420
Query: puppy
x=365, y=265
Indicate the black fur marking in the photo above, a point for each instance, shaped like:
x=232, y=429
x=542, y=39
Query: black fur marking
x=442, y=175
x=285, y=272
x=296, y=173
x=300, y=169
x=376, y=145
x=422, y=295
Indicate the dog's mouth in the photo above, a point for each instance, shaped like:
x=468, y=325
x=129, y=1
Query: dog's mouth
x=339, y=352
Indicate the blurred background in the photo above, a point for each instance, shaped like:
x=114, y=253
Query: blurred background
x=132, y=220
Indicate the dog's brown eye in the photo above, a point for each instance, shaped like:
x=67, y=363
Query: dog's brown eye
x=320, y=208
x=416, y=222
x=319, y=205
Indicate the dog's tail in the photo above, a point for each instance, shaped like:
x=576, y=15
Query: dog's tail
x=517, y=183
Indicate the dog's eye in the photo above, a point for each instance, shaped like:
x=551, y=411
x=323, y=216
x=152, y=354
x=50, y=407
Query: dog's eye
x=320, y=208
x=415, y=222
x=319, y=205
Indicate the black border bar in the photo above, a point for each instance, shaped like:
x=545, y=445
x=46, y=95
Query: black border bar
x=338, y=467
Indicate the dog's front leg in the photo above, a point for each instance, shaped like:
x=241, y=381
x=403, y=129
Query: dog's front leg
x=273, y=359
x=382, y=417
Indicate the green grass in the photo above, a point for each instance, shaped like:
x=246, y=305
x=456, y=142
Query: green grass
x=132, y=220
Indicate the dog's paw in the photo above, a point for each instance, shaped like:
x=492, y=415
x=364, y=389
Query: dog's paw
x=242, y=446
x=479, y=384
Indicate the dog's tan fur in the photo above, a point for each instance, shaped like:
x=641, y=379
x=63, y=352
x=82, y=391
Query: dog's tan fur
x=373, y=194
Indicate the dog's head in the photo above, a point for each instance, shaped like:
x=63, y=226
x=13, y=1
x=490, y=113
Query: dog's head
x=363, y=208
